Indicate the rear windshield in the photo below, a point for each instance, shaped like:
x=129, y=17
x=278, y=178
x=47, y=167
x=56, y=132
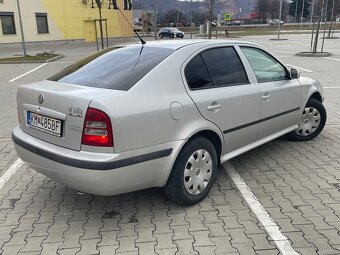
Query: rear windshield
x=113, y=68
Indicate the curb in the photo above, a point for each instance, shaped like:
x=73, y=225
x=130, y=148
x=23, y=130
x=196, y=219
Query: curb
x=33, y=62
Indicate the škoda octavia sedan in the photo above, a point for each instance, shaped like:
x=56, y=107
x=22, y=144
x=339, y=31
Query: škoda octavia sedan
x=162, y=115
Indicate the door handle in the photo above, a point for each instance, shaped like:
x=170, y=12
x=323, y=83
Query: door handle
x=214, y=107
x=266, y=97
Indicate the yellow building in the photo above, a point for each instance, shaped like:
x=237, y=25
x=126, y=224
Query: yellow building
x=48, y=20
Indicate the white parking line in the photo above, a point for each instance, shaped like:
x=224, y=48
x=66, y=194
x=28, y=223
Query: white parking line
x=300, y=68
x=262, y=215
x=18, y=77
x=335, y=59
x=338, y=87
x=10, y=171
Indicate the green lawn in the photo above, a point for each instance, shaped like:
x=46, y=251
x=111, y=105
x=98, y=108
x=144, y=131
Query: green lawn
x=28, y=58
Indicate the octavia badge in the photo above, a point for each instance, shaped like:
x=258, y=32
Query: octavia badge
x=41, y=98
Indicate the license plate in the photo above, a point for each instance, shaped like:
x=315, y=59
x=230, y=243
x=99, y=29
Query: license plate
x=44, y=123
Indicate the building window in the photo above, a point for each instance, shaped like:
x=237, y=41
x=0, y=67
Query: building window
x=42, y=23
x=7, y=23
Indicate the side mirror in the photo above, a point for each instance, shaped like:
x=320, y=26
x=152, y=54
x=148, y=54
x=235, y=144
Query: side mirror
x=294, y=73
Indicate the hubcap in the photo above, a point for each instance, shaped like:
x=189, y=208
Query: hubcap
x=197, y=172
x=309, y=121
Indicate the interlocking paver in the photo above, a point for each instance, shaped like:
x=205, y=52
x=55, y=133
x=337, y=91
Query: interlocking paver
x=107, y=250
x=164, y=241
x=109, y=238
x=89, y=246
x=127, y=243
x=185, y=247
x=49, y=248
x=33, y=244
x=146, y=248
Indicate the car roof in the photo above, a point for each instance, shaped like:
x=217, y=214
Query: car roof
x=177, y=44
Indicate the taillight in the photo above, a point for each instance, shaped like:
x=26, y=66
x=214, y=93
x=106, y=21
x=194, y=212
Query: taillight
x=97, y=129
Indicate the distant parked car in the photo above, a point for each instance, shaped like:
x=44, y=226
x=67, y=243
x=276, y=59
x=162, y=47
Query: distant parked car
x=234, y=23
x=170, y=32
x=275, y=22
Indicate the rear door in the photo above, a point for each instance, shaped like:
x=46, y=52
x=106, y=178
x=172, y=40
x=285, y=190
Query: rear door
x=280, y=95
x=220, y=88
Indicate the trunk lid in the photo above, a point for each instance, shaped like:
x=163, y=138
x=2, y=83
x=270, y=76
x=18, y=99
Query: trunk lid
x=58, y=101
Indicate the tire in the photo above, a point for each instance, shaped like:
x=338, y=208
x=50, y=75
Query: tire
x=171, y=36
x=311, y=123
x=161, y=36
x=191, y=186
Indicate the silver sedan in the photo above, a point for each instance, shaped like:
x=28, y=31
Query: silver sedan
x=164, y=114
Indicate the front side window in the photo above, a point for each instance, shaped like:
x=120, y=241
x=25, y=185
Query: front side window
x=266, y=68
x=42, y=24
x=7, y=23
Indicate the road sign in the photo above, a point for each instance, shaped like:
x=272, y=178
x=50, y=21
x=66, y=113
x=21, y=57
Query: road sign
x=227, y=16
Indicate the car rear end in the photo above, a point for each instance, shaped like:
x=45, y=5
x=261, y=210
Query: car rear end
x=65, y=133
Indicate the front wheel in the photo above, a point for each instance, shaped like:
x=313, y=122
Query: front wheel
x=193, y=173
x=311, y=122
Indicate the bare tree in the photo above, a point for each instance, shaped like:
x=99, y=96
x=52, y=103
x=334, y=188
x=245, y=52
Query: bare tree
x=262, y=7
x=212, y=4
x=99, y=4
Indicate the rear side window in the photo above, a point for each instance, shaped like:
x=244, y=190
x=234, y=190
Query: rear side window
x=217, y=67
x=225, y=67
x=113, y=68
x=197, y=74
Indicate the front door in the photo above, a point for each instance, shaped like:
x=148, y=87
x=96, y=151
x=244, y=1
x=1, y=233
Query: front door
x=89, y=30
x=280, y=95
x=219, y=86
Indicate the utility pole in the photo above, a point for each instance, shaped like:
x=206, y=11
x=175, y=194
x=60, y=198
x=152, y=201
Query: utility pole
x=211, y=2
x=312, y=13
x=21, y=30
x=332, y=17
x=154, y=19
x=302, y=11
x=279, y=28
x=191, y=20
x=296, y=7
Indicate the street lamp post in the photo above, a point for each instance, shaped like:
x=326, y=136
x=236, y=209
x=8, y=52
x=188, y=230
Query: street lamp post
x=155, y=19
x=312, y=13
x=279, y=28
x=302, y=11
x=296, y=7
x=191, y=19
x=21, y=30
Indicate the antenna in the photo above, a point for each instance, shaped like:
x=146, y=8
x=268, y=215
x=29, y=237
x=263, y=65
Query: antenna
x=140, y=38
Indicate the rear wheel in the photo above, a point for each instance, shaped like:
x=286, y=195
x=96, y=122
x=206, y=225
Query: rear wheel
x=311, y=122
x=193, y=173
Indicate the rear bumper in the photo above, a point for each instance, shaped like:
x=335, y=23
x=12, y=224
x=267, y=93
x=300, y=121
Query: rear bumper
x=98, y=173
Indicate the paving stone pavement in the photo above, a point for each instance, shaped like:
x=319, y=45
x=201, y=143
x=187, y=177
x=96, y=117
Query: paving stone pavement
x=298, y=184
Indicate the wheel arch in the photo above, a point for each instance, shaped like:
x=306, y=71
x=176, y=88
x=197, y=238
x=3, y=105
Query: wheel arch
x=213, y=137
x=317, y=96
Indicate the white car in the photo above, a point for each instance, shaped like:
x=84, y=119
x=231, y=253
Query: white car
x=164, y=114
x=275, y=22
